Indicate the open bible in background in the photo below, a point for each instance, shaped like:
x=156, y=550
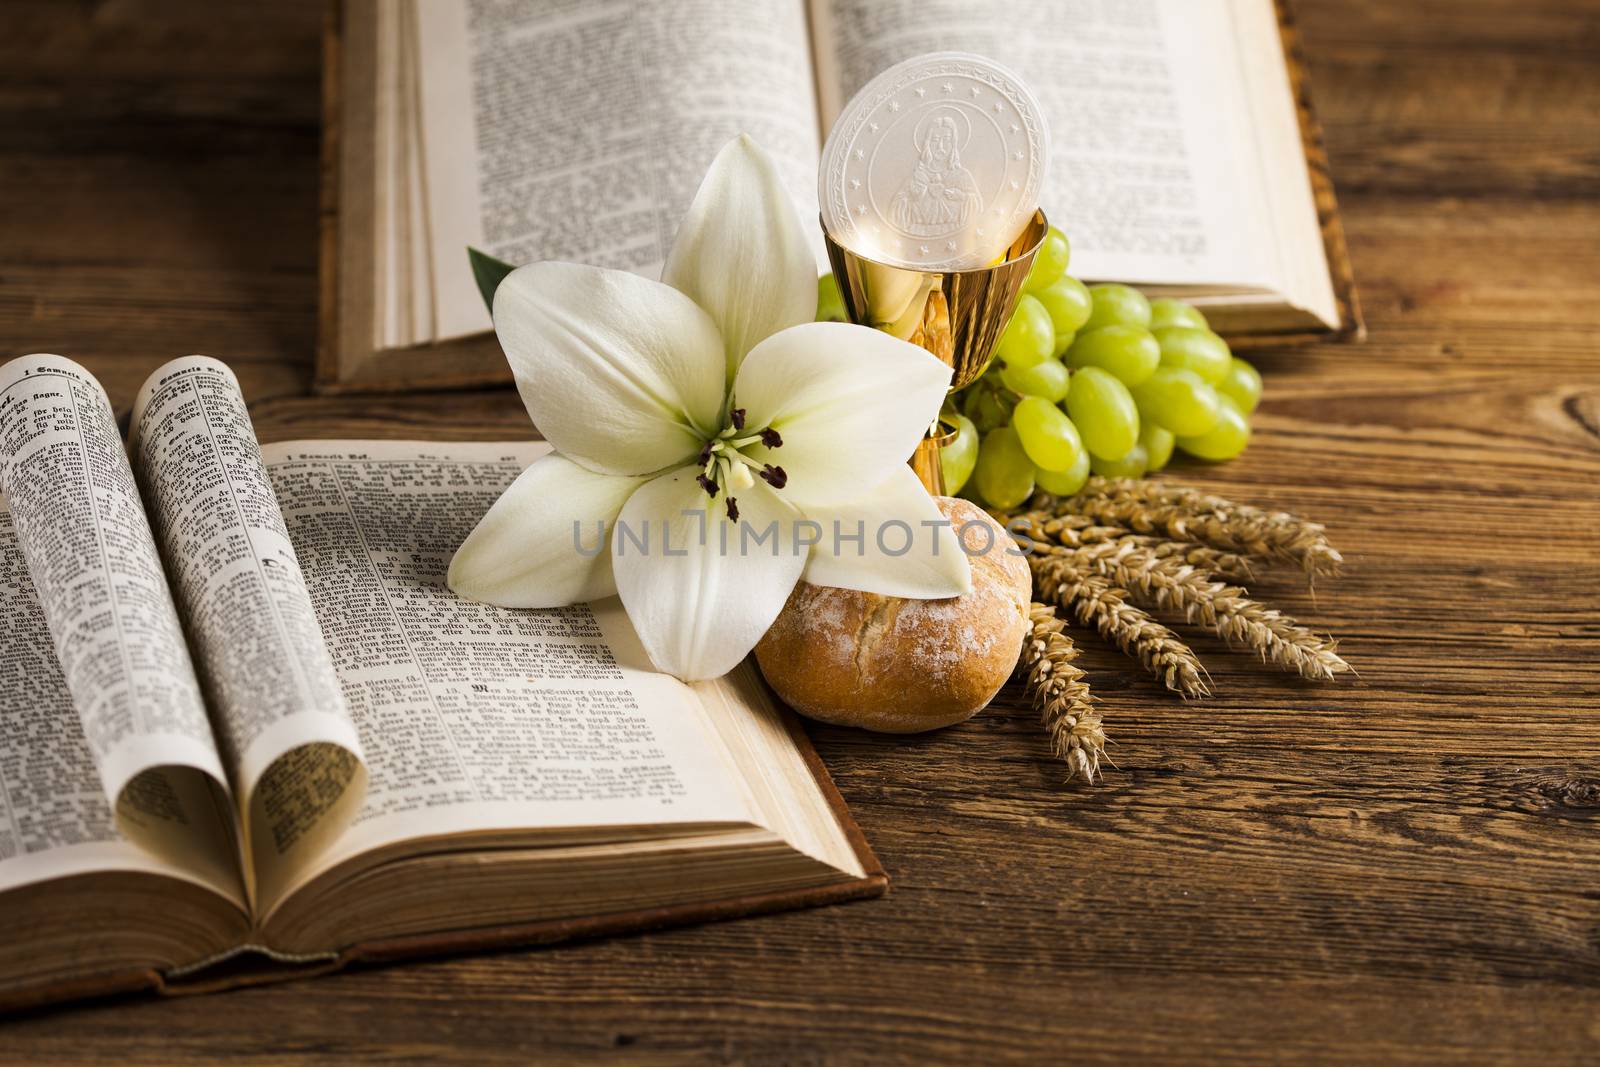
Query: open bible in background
x=246, y=732
x=1185, y=157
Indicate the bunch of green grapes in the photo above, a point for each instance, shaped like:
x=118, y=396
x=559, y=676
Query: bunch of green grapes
x=1094, y=379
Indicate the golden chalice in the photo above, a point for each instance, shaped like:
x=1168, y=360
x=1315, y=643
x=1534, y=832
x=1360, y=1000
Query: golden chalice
x=956, y=315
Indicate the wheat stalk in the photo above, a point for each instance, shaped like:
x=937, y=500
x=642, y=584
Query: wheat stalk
x=1040, y=526
x=1060, y=694
x=1061, y=579
x=1229, y=565
x=1167, y=547
x=1170, y=583
x=1041, y=532
x=1168, y=521
x=1192, y=515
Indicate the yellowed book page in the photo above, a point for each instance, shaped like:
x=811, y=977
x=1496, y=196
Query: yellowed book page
x=391, y=327
x=1280, y=150
x=779, y=784
x=285, y=733
x=475, y=718
x=580, y=129
x=418, y=249
x=1152, y=174
x=91, y=556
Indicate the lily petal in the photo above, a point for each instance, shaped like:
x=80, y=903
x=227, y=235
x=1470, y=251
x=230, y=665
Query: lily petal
x=539, y=545
x=741, y=254
x=621, y=374
x=907, y=546
x=850, y=403
x=702, y=589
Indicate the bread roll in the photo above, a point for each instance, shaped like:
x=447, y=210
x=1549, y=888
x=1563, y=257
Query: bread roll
x=899, y=666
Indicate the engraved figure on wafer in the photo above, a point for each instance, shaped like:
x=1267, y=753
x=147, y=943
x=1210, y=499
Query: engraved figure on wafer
x=934, y=165
x=941, y=196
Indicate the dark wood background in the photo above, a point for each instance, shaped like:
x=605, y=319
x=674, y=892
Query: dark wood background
x=1401, y=868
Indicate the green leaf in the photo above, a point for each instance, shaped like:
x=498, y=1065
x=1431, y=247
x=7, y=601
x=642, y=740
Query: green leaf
x=488, y=272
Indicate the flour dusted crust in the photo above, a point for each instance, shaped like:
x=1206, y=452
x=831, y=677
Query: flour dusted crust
x=900, y=666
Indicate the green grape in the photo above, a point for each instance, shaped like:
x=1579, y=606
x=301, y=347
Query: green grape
x=1103, y=410
x=1030, y=336
x=830, y=304
x=1132, y=465
x=1067, y=482
x=1242, y=384
x=1179, y=400
x=1129, y=352
x=1169, y=312
x=1118, y=305
x=1068, y=303
x=1047, y=435
x=1064, y=342
x=958, y=457
x=1198, y=350
x=1224, y=440
x=1157, y=442
x=1004, y=474
x=986, y=406
x=1048, y=379
x=1050, y=262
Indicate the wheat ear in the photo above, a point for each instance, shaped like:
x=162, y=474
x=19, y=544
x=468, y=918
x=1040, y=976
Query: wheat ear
x=1042, y=533
x=1061, y=579
x=1051, y=528
x=1170, y=583
x=1060, y=694
x=1191, y=515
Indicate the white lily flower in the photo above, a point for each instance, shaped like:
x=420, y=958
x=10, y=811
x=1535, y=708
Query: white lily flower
x=691, y=419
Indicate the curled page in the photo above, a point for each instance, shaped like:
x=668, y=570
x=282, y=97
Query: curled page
x=116, y=632
x=479, y=719
x=279, y=711
x=54, y=819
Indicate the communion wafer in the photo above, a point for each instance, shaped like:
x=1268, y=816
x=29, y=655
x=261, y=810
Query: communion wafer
x=936, y=164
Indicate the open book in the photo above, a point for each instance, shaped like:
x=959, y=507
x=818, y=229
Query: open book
x=1185, y=158
x=245, y=730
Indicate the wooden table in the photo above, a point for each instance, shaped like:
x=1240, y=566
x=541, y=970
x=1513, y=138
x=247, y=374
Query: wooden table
x=1399, y=868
